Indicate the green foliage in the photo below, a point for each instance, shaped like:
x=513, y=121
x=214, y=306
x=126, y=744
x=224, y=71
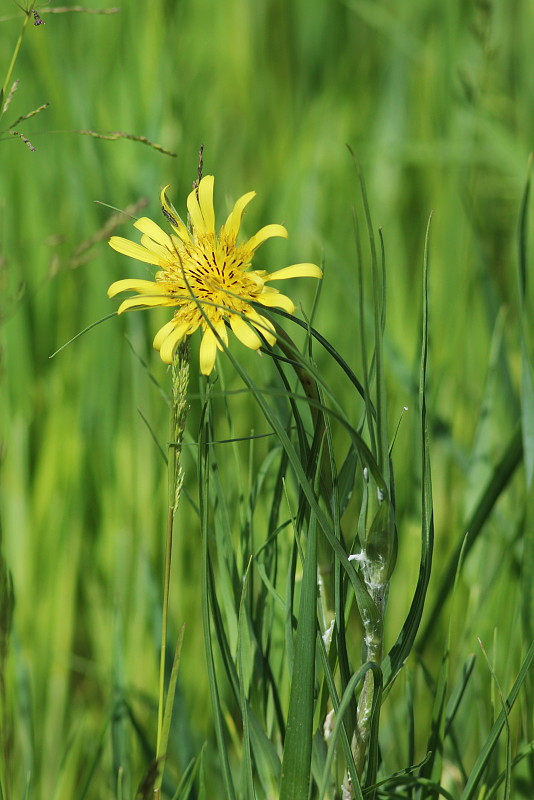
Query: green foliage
x=289, y=463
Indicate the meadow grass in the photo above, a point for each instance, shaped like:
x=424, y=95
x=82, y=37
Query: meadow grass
x=435, y=103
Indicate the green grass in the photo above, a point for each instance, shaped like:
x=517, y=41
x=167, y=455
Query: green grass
x=435, y=100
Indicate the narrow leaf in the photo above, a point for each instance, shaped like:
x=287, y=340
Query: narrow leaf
x=296, y=762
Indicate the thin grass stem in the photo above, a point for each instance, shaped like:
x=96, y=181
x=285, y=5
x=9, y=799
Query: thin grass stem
x=177, y=420
x=12, y=63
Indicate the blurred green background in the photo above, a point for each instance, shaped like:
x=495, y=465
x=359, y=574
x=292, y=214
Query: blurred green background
x=435, y=100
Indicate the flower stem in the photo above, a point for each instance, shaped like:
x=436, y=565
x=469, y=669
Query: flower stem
x=177, y=421
x=166, y=584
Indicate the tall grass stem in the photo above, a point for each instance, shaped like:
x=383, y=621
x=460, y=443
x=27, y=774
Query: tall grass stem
x=177, y=421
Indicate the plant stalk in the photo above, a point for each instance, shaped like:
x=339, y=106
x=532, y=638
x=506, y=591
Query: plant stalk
x=7, y=79
x=177, y=421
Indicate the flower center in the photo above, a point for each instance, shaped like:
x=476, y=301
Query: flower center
x=211, y=269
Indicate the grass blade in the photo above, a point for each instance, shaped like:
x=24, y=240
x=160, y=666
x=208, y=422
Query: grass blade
x=344, y=705
x=402, y=647
x=188, y=778
x=296, y=762
x=527, y=414
x=477, y=772
x=500, y=478
x=169, y=703
x=527, y=380
x=206, y=615
x=119, y=719
x=245, y=660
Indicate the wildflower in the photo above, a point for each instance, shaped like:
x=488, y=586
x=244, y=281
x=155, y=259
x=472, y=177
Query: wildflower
x=207, y=276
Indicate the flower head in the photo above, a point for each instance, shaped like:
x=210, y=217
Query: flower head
x=206, y=276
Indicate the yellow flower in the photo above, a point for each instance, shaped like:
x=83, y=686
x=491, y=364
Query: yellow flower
x=207, y=276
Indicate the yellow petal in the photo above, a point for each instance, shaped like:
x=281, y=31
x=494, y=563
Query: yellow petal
x=168, y=345
x=276, y=300
x=233, y=223
x=200, y=206
x=205, y=199
x=244, y=332
x=146, y=300
x=262, y=321
x=173, y=217
x=220, y=329
x=208, y=351
x=296, y=271
x=264, y=326
x=133, y=285
x=134, y=250
x=162, y=334
x=195, y=215
x=256, y=277
x=167, y=254
x=265, y=233
x=151, y=229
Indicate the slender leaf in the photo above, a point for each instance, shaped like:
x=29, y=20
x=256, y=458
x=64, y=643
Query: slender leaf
x=206, y=616
x=296, y=762
x=527, y=379
x=119, y=719
x=245, y=659
x=500, y=478
x=183, y=790
x=527, y=414
x=402, y=647
x=356, y=679
x=343, y=730
x=457, y=694
x=169, y=704
x=477, y=772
